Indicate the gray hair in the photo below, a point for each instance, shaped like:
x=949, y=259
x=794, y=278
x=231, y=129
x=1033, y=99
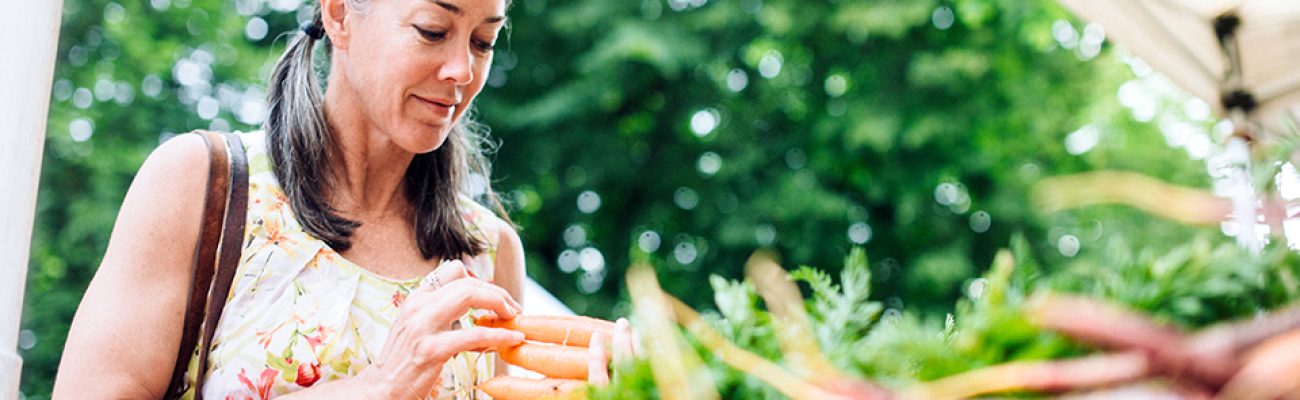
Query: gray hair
x=301, y=150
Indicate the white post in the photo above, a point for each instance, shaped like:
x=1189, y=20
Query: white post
x=29, y=38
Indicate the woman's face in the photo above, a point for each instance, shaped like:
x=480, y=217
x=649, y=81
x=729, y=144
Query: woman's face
x=415, y=66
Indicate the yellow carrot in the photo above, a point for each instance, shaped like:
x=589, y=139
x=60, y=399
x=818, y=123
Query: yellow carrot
x=1182, y=204
x=1037, y=376
x=555, y=361
x=767, y=371
x=513, y=387
x=794, y=330
x=678, y=370
x=563, y=330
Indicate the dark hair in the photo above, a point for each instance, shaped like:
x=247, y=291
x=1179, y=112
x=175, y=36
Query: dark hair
x=301, y=149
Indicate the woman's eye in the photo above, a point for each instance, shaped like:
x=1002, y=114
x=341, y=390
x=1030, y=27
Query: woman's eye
x=484, y=46
x=431, y=36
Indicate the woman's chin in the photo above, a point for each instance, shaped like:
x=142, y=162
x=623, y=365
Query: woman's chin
x=425, y=140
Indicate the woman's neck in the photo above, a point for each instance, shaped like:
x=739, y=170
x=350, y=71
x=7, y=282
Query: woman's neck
x=367, y=167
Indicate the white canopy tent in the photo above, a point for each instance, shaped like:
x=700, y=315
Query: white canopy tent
x=1241, y=56
x=1245, y=53
x=29, y=41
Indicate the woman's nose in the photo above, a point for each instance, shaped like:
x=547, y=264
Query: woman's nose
x=457, y=66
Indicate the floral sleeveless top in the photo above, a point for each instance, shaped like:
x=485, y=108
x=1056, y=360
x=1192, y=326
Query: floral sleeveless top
x=299, y=314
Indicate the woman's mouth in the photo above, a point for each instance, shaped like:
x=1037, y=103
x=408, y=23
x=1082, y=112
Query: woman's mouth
x=441, y=108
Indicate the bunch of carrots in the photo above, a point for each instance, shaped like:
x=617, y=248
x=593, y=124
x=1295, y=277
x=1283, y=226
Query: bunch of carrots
x=559, y=347
x=1254, y=359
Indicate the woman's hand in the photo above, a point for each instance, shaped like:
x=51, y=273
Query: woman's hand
x=423, y=337
x=623, y=349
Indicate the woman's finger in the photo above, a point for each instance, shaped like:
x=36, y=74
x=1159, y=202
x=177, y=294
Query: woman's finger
x=459, y=297
x=622, y=342
x=499, y=290
x=597, y=363
x=442, y=306
x=450, y=343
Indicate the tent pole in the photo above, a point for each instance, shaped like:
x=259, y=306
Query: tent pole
x=29, y=46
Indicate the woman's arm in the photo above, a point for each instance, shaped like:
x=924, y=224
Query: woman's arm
x=124, y=337
x=510, y=271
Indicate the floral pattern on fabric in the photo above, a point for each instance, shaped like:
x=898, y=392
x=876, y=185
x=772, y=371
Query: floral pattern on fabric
x=299, y=314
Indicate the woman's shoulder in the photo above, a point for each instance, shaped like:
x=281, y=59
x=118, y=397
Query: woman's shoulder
x=176, y=171
x=179, y=162
x=492, y=227
x=503, y=260
x=190, y=152
x=185, y=158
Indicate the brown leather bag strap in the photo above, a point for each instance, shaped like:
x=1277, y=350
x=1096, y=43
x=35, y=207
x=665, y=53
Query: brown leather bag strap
x=205, y=252
x=232, y=245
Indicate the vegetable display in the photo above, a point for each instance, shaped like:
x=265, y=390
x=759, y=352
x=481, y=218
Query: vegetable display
x=1198, y=321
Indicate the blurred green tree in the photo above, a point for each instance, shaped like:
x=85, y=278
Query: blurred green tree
x=699, y=131
x=690, y=132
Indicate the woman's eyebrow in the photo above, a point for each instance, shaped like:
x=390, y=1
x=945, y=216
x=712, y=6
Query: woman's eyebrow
x=454, y=9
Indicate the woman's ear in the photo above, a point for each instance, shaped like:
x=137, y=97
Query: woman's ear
x=334, y=17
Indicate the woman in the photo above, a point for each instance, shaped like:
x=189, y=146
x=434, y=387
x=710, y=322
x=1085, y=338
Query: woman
x=354, y=199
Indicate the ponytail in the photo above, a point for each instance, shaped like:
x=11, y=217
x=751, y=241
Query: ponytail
x=299, y=140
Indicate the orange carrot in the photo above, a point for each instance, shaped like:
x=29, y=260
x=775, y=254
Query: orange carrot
x=513, y=387
x=563, y=330
x=555, y=361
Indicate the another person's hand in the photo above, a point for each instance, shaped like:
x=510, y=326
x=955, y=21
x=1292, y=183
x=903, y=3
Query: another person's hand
x=426, y=333
x=598, y=362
